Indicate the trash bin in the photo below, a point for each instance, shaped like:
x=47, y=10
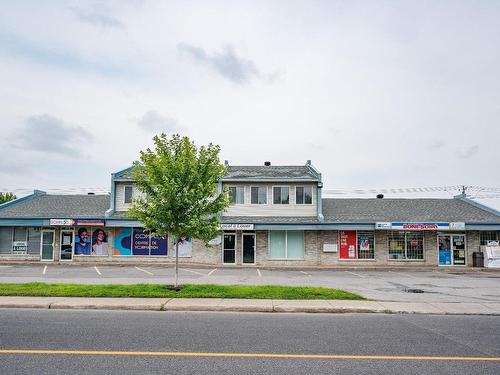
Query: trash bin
x=477, y=259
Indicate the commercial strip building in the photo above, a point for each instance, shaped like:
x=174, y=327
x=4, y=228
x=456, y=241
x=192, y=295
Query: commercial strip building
x=278, y=219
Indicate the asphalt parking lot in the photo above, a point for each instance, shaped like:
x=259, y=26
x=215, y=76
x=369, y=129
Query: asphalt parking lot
x=447, y=285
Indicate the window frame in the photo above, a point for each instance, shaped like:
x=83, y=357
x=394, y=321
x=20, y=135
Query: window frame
x=236, y=187
x=125, y=194
x=303, y=195
x=259, y=187
x=286, y=245
x=489, y=239
x=406, y=259
x=281, y=200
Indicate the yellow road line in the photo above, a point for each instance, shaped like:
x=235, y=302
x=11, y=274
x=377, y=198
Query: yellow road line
x=246, y=355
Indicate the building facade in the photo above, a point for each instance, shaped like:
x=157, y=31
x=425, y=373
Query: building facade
x=278, y=218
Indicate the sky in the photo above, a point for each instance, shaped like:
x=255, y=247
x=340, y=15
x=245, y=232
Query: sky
x=378, y=94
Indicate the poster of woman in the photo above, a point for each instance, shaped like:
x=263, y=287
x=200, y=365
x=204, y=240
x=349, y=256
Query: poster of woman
x=99, y=243
x=185, y=247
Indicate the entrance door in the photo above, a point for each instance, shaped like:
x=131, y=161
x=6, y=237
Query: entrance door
x=458, y=248
x=229, y=248
x=451, y=249
x=47, y=245
x=248, y=248
x=67, y=244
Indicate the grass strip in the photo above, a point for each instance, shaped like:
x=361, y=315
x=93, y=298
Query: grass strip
x=187, y=291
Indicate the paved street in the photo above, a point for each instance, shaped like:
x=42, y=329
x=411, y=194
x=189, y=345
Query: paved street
x=245, y=343
x=441, y=285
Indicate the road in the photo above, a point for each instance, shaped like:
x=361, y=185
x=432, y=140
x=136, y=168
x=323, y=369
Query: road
x=244, y=343
x=443, y=285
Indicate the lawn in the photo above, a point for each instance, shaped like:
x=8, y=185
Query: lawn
x=187, y=291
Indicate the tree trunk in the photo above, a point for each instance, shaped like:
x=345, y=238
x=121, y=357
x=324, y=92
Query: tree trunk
x=176, y=282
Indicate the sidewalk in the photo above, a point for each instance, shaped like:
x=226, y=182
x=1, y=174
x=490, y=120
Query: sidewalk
x=252, y=305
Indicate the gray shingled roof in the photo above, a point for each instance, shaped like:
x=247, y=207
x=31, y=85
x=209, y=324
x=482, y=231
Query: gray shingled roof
x=49, y=206
x=269, y=220
x=273, y=172
x=406, y=210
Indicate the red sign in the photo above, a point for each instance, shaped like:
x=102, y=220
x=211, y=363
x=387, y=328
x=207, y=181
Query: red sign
x=348, y=244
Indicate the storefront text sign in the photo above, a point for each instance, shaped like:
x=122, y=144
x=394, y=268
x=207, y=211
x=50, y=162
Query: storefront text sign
x=89, y=222
x=383, y=225
x=20, y=247
x=63, y=222
x=237, y=226
x=420, y=226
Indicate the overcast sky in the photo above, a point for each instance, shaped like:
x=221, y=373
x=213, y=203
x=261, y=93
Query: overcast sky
x=377, y=94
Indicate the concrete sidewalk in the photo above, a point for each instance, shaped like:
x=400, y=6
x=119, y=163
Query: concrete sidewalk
x=252, y=305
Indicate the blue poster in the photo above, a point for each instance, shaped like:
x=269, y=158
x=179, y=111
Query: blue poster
x=444, y=257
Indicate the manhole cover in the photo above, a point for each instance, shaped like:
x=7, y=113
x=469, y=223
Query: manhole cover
x=413, y=290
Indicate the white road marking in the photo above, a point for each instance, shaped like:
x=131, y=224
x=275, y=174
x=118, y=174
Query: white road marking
x=97, y=270
x=44, y=270
x=196, y=272
x=140, y=269
x=258, y=273
x=211, y=272
x=5, y=266
x=305, y=273
x=355, y=274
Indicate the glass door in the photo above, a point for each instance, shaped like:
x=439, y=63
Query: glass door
x=444, y=246
x=458, y=244
x=67, y=244
x=229, y=248
x=248, y=250
x=47, y=245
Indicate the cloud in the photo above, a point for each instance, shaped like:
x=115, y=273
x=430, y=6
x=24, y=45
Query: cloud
x=436, y=145
x=97, y=18
x=226, y=63
x=153, y=121
x=46, y=133
x=468, y=152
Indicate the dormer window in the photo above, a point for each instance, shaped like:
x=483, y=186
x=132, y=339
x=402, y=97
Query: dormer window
x=281, y=195
x=127, y=198
x=237, y=194
x=303, y=195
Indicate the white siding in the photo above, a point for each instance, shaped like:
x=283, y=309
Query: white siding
x=270, y=209
x=120, y=196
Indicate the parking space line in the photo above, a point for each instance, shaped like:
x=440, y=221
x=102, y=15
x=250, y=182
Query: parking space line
x=195, y=272
x=211, y=272
x=355, y=274
x=305, y=273
x=44, y=270
x=258, y=273
x=140, y=269
x=404, y=274
x=97, y=270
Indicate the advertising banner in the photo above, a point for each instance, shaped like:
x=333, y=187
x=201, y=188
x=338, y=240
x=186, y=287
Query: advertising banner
x=185, y=247
x=91, y=242
x=135, y=241
x=347, y=244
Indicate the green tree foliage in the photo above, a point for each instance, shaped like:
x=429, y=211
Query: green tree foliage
x=6, y=197
x=180, y=194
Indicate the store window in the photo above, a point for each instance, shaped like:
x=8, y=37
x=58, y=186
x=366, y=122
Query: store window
x=356, y=244
x=485, y=237
x=136, y=241
x=6, y=240
x=286, y=244
x=281, y=195
x=259, y=194
x=237, y=194
x=303, y=195
x=406, y=246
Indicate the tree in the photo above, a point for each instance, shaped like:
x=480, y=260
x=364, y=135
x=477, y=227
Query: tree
x=6, y=197
x=180, y=194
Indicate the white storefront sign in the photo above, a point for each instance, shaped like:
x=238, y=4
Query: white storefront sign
x=19, y=247
x=237, y=226
x=457, y=226
x=63, y=222
x=383, y=225
x=330, y=248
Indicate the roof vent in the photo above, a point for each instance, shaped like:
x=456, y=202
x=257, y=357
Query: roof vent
x=90, y=193
x=380, y=196
x=267, y=163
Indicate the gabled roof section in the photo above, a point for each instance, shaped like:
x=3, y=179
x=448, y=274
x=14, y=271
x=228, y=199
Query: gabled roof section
x=405, y=210
x=272, y=173
x=124, y=174
x=49, y=206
